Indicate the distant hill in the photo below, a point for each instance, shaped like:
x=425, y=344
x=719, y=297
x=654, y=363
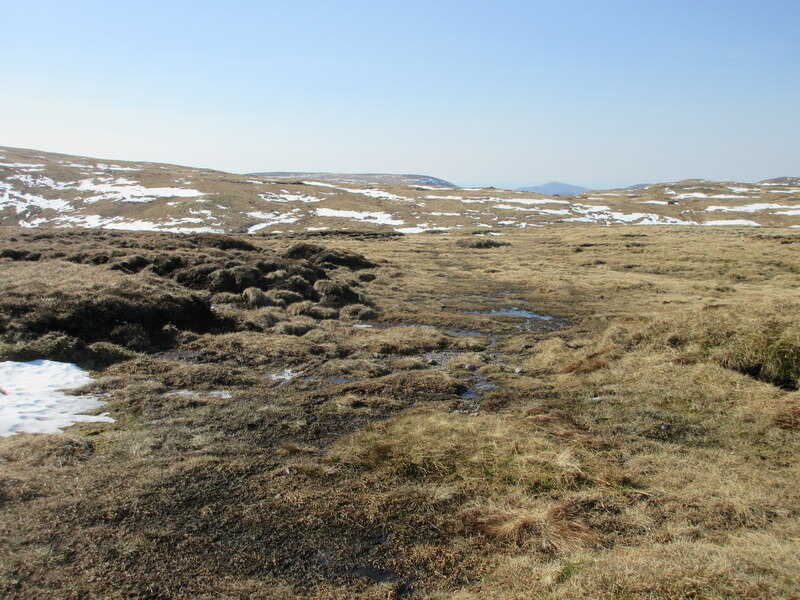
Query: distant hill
x=555, y=188
x=783, y=180
x=358, y=178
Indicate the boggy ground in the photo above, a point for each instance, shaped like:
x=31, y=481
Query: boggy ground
x=268, y=444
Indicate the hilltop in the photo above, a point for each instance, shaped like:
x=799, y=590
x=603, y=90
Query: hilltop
x=46, y=189
x=359, y=178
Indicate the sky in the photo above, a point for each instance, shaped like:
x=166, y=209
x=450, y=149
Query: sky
x=503, y=93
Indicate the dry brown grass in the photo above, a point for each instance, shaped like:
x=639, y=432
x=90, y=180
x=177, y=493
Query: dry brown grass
x=645, y=450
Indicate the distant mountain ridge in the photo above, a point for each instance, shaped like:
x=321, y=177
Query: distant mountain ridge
x=358, y=178
x=555, y=188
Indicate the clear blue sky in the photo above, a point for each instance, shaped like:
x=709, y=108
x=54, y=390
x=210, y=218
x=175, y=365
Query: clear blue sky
x=481, y=93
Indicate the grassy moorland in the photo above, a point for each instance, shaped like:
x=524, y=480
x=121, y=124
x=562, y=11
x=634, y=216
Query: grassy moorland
x=641, y=444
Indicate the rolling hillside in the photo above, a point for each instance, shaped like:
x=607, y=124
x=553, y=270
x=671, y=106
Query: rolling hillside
x=46, y=189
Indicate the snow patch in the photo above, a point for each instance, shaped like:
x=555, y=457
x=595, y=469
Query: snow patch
x=31, y=400
x=379, y=218
x=745, y=208
x=27, y=166
x=273, y=218
x=422, y=227
x=530, y=201
x=733, y=222
x=19, y=201
x=287, y=197
x=125, y=190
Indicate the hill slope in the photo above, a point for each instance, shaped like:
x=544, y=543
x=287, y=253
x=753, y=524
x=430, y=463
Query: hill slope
x=46, y=189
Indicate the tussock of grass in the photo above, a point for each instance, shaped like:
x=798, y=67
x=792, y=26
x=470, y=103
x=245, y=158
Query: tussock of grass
x=761, y=339
x=410, y=386
x=749, y=565
x=411, y=340
x=482, y=456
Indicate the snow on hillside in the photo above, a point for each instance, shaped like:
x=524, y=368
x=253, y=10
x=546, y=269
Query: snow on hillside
x=37, y=189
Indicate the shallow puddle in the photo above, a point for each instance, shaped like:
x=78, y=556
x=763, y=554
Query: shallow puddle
x=513, y=312
x=478, y=388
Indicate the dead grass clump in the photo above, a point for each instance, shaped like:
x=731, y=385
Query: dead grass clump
x=337, y=294
x=205, y=377
x=309, y=309
x=356, y=403
x=165, y=264
x=303, y=250
x=97, y=305
x=283, y=297
x=403, y=340
x=253, y=348
x=196, y=277
x=542, y=527
x=555, y=355
x=65, y=348
x=177, y=375
x=484, y=455
x=332, y=258
x=15, y=254
x=131, y=264
x=53, y=449
x=296, y=327
x=274, y=279
x=226, y=298
x=761, y=340
x=136, y=338
x=753, y=565
x=480, y=243
x=235, y=279
x=222, y=242
x=298, y=284
x=410, y=386
x=787, y=412
x=353, y=368
x=358, y=312
x=255, y=298
x=261, y=319
x=328, y=258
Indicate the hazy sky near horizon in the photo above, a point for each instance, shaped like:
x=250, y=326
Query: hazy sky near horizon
x=504, y=93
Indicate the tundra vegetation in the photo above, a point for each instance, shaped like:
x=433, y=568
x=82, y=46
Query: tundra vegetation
x=339, y=415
